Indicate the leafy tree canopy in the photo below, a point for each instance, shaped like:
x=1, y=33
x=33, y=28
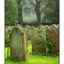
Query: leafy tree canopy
x=51, y=11
x=11, y=12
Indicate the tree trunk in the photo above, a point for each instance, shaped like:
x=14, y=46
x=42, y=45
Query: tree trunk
x=20, y=18
x=38, y=14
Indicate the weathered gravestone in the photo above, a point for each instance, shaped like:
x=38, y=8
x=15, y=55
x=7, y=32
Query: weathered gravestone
x=58, y=26
x=27, y=27
x=58, y=32
x=55, y=33
x=37, y=30
x=47, y=27
x=40, y=26
x=18, y=43
x=35, y=46
x=18, y=25
x=43, y=32
x=31, y=32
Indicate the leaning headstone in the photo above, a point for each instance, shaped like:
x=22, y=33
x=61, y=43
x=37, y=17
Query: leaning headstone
x=54, y=32
x=18, y=43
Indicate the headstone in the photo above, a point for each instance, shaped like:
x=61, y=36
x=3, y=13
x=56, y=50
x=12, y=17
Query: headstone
x=58, y=26
x=31, y=32
x=27, y=27
x=43, y=32
x=47, y=27
x=54, y=32
x=40, y=26
x=37, y=30
x=18, y=43
x=38, y=47
x=18, y=25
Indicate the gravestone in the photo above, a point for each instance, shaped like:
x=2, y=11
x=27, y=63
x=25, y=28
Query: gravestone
x=58, y=26
x=18, y=25
x=37, y=30
x=47, y=27
x=31, y=32
x=27, y=27
x=18, y=43
x=37, y=47
x=42, y=34
x=40, y=26
x=55, y=33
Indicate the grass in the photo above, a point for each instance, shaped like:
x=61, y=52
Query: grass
x=33, y=59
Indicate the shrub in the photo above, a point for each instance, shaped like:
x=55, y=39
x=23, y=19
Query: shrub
x=7, y=37
x=34, y=23
x=14, y=58
x=46, y=42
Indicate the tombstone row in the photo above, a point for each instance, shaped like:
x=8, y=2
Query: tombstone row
x=18, y=40
x=52, y=29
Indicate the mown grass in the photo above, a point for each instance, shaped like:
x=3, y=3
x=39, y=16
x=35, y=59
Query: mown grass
x=33, y=59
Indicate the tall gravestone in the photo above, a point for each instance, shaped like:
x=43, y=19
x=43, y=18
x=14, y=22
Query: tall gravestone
x=18, y=43
x=42, y=33
x=55, y=33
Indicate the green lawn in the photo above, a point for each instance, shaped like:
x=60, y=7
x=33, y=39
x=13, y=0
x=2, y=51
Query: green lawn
x=33, y=59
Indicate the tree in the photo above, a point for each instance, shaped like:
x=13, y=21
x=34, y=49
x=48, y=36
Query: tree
x=38, y=13
x=34, y=6
x=11, y=12
x=51, y=11
x=20, y=18
x=36, y=3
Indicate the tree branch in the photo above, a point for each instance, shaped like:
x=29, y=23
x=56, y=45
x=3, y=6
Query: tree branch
x=32, y=2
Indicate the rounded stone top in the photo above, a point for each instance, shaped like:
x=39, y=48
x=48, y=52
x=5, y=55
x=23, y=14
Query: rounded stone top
x=17, y=28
